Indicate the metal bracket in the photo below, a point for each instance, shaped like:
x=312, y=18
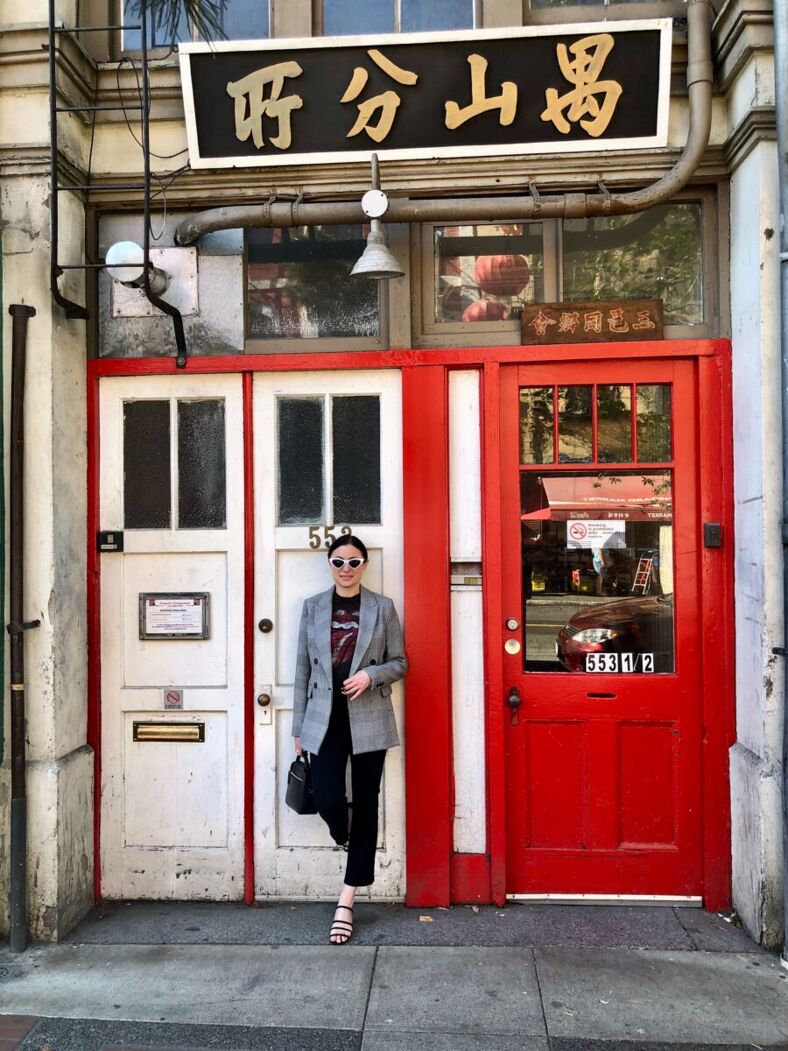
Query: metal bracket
x=607, y=197
x=537, y=197
x=15, y=628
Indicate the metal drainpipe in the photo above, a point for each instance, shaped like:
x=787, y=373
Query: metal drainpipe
x=492, y=209
x=781, y=101
x=16, y=629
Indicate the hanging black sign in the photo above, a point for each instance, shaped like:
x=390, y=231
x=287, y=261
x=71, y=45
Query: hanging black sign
x=596, y=86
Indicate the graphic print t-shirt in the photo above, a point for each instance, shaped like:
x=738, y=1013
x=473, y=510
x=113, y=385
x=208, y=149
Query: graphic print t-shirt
x=344, y=632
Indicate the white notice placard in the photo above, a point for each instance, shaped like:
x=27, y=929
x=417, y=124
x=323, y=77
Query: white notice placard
x=174, y=616
x=593, y=533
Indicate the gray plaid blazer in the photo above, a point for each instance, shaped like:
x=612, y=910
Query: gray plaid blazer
x=379, y=652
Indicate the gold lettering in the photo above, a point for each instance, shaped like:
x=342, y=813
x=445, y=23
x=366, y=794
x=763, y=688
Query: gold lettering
x=541, y=323
x=386, y=103
x=251, y=105
x=506, y=102
x=582, y=70
x=644, y=321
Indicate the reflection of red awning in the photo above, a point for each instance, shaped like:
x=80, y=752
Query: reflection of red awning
x=630, y=497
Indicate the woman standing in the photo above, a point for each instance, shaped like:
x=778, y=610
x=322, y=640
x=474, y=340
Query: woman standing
x=350, y=652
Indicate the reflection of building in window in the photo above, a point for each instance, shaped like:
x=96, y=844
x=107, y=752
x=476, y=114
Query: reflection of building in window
x=655, y=255
x=349, y=17
x=298, y=284
x=597, y=567
x=486, y=272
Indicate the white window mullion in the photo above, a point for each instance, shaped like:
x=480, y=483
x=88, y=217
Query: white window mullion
x=328, y=459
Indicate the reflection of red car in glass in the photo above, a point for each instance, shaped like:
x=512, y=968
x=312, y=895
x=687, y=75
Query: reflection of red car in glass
x=627, y=625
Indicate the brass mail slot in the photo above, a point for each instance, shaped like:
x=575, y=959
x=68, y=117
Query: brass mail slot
x=169, y=731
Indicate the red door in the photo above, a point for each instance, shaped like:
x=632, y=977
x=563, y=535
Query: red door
x=600, y=612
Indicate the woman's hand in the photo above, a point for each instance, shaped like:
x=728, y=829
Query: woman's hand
x=297, y=743
x=355, y=685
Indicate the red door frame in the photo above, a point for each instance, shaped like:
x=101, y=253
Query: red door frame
x=435, y=875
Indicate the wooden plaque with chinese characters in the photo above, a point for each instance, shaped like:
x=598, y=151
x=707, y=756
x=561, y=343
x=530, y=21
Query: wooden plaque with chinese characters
x=593, y=322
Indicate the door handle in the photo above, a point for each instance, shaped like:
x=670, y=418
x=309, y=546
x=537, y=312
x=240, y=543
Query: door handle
x=264, y=699
x=514, y=700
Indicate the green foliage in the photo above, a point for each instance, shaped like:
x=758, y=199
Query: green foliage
x=204, y=15
x=654, y=255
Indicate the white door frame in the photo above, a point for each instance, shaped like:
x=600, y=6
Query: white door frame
x=293, y=856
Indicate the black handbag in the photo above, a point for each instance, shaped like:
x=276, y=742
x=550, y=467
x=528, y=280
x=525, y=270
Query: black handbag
x=299, y=786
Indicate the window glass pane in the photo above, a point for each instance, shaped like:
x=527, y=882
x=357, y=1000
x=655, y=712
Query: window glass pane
x=537, y=440
x=416, y=15
x=486, y=273
x=653, y=423
x=597, y=572
x=655, y=255
x=300, y=431
x=350, y=17
x=575, y=443
x=299, y=284
x=583, y=3
x=146, y=465
x=356, y=429
x=202, y=481
x=157, y=34
x=246, y=19
x=614, y=424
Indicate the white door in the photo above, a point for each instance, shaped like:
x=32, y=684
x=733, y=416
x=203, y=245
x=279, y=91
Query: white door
x=328, y=458
x=172, y=484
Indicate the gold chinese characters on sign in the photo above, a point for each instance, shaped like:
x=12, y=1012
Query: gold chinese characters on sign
x=590, y=103
x=594, y=322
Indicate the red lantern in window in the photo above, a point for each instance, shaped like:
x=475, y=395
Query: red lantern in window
x=502, y=275
x=485, y=310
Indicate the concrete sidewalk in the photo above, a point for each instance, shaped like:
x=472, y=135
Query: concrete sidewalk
x=543, y=978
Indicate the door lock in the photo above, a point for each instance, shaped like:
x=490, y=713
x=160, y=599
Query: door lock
x=514, y=700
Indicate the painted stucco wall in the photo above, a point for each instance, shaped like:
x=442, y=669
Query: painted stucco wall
x=756, y=771
x=60, y=766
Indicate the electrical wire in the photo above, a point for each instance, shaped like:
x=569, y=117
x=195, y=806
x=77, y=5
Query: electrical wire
x=164, y=181
x=130, y=61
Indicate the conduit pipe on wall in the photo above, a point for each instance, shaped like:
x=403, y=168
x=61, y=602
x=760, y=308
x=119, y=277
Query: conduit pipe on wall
x=781, y=102
x=16, y=629
x=496, y=209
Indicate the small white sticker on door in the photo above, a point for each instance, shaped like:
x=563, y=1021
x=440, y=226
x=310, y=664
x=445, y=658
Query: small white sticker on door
x=642, y=663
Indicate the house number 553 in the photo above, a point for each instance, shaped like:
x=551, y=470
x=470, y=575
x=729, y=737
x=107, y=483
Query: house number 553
x=325, y=534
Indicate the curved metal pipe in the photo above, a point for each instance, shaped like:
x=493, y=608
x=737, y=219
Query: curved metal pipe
x=496, y=209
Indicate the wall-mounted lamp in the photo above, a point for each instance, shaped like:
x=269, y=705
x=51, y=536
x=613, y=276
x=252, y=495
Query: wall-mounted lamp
x=376, y=260
x=125, y=261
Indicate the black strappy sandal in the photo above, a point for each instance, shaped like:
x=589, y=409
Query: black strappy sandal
x=341, y=930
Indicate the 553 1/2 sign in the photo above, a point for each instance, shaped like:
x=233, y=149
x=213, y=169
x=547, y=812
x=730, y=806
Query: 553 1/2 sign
x=620, y=662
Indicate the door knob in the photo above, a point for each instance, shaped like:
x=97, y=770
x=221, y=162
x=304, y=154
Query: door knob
x=265, y=625
x=264, y=699
x=514, y=700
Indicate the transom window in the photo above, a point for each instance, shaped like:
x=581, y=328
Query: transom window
x=356, y=17
x=299, y=284
x=483, y=274
x=239, y=20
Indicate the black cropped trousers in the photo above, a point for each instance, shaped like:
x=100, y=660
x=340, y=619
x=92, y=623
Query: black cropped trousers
x=329, y=769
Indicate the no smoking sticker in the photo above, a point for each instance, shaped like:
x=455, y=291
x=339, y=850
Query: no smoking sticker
x=173, y=699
